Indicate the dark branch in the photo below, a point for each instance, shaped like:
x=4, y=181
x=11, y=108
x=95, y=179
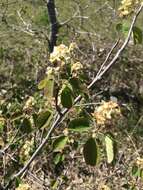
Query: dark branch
x=54, y=24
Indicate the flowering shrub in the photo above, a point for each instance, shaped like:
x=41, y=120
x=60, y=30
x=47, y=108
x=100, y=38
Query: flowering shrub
x=42, y=136
x=64, y=75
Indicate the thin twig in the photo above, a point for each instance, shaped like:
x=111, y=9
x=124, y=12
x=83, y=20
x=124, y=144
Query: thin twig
x=69, y=19
x=107, y=58
x=4, y=168
x=88, y=104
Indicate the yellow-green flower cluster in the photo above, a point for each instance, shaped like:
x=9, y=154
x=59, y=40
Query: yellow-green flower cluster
x=107, y=112
x=25, y=150
x=61, y=53
x=127, y=7
x=62, y=56
x=76, y=68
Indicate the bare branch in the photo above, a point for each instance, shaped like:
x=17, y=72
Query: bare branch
x=107, y=57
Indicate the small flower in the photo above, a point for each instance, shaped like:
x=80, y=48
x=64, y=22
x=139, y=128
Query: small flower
x=66, y=132
x=139, y=161
x=29, y=104
x=72, y=46
x=49, y=71
x=57, y=69
x=105, y=187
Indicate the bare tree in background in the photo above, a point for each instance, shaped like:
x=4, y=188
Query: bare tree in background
x=54, y=24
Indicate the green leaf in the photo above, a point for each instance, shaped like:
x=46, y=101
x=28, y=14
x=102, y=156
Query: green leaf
x=43, y=118
x=119, y=27
x=43, y=83
x=135, y=171
x=79, y=125
x=90, y=152
x=59, y=143
x=141, y=173
x=66, y=97
x=137, y=35
x=76, y=84
x=126, y=186
x=25, y=126
x=17, y=181
x=49, y=89
x=109, y=143
x=2, y=125
x=48, y=85
x=58, y=157
x=1, y=128
x=123, y=28
x=54, y=184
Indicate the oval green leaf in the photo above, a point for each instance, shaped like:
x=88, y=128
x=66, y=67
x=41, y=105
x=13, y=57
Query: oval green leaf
x=43, y=118
x=109, y=143
x=135, y=171
x=119, y=27
x=79, y=125
x=58, y=157
x=49, y=88
x=137, y=35
x=25, y=126
x=66, y=97
x=76, y=84
x=90, y=152
x=60, y=143
x=42, y=84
